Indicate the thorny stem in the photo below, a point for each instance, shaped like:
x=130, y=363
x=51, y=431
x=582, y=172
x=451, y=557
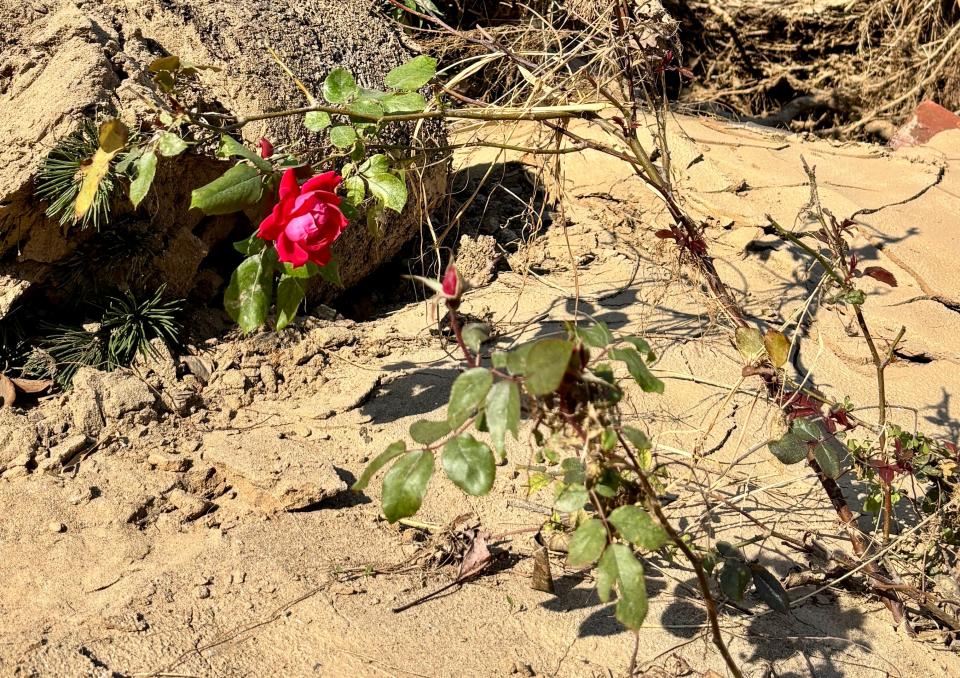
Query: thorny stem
x=710, y=603
x=880, y=364
x=470, y=359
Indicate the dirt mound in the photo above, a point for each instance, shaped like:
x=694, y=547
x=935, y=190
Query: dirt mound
x=94, y=56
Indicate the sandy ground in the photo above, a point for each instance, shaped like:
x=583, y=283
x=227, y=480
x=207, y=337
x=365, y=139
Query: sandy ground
x=166, y=550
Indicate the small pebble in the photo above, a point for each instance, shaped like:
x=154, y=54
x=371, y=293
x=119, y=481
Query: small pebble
x=57, y=527
x=203, y=592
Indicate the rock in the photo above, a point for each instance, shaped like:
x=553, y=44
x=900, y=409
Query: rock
x=56, y=527
x=269, y=378
x=82, y=496
x=15, y=472
x=272, y=473
x=928, y=120
x=99, y=396
x=163, y=461
x=238, y=577
x=63, y=452
x=203, y=592
x=233, y=380
x=191, y=506
x=477, y=259
x=198, y=367
x=18, y=438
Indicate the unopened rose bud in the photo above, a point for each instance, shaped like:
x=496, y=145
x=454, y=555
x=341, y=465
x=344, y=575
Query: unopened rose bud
x=452, y=284
x=266, y=148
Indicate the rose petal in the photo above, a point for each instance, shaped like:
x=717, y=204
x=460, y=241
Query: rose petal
x=323, y=182
x=300, y=255
x=320, y=256
x=303, y=228
x=288, y=185
x=285, y=251
x=271, y=226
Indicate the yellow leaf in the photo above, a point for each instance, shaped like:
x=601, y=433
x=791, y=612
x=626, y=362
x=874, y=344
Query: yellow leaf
x=749, y=342
x=777, y=346
x=113, y=139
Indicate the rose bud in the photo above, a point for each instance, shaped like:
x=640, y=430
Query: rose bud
x=266, y=148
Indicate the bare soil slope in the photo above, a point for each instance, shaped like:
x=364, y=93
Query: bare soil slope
x=219, y=541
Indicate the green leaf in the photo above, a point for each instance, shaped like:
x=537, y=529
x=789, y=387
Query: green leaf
x=375, y=164
x=411, y=102
x=726, y=550
x=339, y=86
x=170, y=145
x=405, y=484
x=146, y=166
x=474, y=334
x=428, y=432
x=806, y=429
x=317, y=121
x=789, y=449
x=587, y=543
x=827, y=459
x=231, y=148
x=574, y=472
x=469, y=464
x=503, y=412
x=607, y=573
x=331, y=270
x=853, y=297
x=384, y=458
x=343, y=136
x=638, y=369
x=247, y=298
x=734, y=578
x=516, y=360
x=363, y=110
x=291, y=291
x=597, y=336
x=390, y=189
x=770, y=589
x=250, y=246
x=354, y=190
x=637, y=438
x=240, y=187
x=468, y=391
x=546, y=363
x=643, y=347
x=572, y=498
x=621, y=566
x=636, y=526
x=412, y=75
x=749, y=342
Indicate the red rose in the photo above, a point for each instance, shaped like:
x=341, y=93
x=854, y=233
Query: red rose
x=306, y=220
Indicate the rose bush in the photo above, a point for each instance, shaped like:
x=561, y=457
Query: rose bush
x=306, y=220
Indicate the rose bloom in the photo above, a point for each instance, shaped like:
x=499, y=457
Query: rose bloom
x=306, y=220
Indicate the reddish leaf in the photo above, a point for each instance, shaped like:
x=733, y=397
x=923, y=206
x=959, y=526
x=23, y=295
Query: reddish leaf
x=665, y=233
x=881, y=274
x=8, y=393
x=853, y=262
x=32, y=386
